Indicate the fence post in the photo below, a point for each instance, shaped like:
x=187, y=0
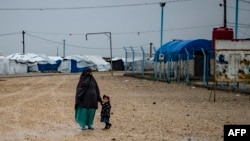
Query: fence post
x=168, y=75
x=155, y=64
x=179, y=68
x=187, y=75
x=143, y=60
x=133, y=58
x=126, y=57
x=204, y=67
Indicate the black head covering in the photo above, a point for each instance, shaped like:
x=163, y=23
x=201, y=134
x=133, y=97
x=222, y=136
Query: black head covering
x=86, y=72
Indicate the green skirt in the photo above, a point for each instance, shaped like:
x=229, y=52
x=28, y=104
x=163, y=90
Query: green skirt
x=84, y=117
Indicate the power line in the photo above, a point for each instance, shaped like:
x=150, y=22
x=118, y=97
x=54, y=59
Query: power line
x=56, y=42
x=240, y=25
x=31, y=35
x=74, y=8
x=242, y=9
x=193, y=27
x=60, y=43
x=244, y=34
x=173, y=29
x=63, y=34
x=245, y=1
x=87, y=7
x=134, y=32
x=7, y=34
x=120, y=33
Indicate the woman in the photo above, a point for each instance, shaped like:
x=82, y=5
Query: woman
x=86, y=100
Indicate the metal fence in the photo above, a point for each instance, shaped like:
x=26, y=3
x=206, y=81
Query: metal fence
x=136, y=58
x=174, y=69
x=177, y=67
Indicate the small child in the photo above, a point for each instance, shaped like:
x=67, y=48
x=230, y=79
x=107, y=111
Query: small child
x=105, y=113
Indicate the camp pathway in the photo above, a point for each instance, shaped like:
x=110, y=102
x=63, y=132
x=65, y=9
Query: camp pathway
x=42, y=108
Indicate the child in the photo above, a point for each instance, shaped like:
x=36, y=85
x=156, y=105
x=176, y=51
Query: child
x=105, y=113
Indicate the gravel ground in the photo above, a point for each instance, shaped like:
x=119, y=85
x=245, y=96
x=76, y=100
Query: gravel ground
x=41, y=108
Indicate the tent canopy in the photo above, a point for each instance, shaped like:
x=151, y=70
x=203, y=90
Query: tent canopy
x=77, y=63
x=31, y=58
x=177, y=47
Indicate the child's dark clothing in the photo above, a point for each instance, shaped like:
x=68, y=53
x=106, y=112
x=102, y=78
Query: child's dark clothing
x=105, y=114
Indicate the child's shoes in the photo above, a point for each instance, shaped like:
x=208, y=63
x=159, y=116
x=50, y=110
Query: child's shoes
x=109, y=125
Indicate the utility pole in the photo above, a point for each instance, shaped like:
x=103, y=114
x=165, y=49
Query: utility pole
x=225, y=13
x=23, y=43
x=162, y=4
x=63, y=48
x=150, y=51
x=236, y=19
x=161, y=56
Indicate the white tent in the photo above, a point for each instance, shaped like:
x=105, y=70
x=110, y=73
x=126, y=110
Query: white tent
x=4, y=65
x=34, y=62
x=76, y=63
x=55, y=58
x=79, y=59
x=99, y=63
x=65, y=66
x=72, y=63
x=16, y=67
x=11, y=66
x=25, y=58
x=29, y=59
x=137, y=62
x=23, y=63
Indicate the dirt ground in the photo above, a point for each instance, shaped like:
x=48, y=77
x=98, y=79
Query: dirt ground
x=41, y=108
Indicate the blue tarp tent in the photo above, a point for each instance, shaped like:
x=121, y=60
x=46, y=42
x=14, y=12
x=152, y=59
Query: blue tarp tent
x=74, y=67
x=49, y=67
x=176, y=49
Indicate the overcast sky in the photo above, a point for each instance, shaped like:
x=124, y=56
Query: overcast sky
x=132, y=23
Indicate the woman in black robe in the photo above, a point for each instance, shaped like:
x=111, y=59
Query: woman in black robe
x=86, y=99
